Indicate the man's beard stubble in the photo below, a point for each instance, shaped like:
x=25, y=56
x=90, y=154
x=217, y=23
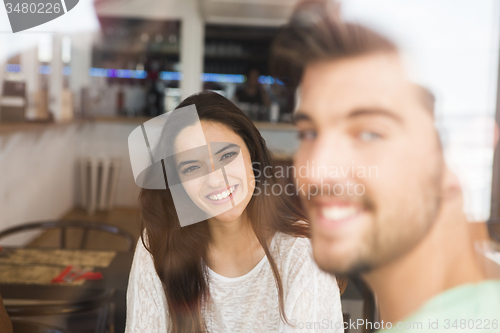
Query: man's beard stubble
x=395, y=235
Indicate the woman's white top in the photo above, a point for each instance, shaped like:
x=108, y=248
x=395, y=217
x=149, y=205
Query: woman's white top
x=247, y=303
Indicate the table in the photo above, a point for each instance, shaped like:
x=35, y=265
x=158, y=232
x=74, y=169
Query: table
x=115, y=276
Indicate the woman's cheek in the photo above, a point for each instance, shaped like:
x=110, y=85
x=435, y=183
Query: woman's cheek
x=250, y=177
x=236, y=169
x=235, y=174
x=193, y=188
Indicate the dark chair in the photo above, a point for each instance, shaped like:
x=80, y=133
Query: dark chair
x=64, y=225
x=494, y=229
x=357, y=290
x=70, y=301
x=21, y=326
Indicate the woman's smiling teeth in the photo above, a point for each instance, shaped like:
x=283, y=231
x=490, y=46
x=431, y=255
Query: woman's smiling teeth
x=222, y=195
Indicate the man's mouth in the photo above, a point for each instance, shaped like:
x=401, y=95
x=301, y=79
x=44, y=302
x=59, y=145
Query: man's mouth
x=221, y=195
x=338, y=213
x=332, y=215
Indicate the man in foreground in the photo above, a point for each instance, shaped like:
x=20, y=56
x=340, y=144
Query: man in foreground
x=381, y=200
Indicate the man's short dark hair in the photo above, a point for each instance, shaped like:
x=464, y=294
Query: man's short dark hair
x=317, y=33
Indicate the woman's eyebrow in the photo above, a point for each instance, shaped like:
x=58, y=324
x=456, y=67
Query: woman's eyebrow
x=226, y=147
x=186, y=162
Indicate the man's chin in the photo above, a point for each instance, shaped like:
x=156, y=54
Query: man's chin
x=347, y=270
x=337, y=264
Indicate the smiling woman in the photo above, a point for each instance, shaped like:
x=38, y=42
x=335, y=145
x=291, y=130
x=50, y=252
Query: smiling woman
x=215, y=178
x=247, y=267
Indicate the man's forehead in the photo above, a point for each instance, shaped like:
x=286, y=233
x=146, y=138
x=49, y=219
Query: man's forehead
x=376, y=80
x=384, y=66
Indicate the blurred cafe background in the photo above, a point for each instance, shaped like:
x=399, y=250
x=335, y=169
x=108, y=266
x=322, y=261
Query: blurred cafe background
x=72, y=90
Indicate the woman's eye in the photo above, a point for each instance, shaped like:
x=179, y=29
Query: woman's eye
x=227, y=155
x=368, y=136
x=307, y=135
x=190, y=169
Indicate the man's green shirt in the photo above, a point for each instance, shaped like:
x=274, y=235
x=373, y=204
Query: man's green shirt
x=467, y=308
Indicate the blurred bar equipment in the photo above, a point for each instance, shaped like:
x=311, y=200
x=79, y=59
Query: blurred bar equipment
x=13, y=100
x=67, y=94
x=45, y=52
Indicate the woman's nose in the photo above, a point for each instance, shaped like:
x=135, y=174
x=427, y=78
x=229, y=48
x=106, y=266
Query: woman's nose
x=215, y=179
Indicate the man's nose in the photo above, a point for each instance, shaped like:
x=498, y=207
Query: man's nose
x=331, y=159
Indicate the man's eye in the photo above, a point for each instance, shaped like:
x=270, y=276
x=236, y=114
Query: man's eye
x=227, y=155
x=368, y=136
x=307, y=135
x=190, y=169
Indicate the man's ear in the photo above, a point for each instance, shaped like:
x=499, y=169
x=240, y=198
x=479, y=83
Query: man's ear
x=495, y=136
x=451, y=187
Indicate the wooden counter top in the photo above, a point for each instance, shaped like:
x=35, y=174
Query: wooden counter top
x=31, y=125
x=266, y=126
x=10, y=128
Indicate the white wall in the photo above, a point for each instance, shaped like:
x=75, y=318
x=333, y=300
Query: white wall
x=37, y=174
x=111, y=140
x=39, y=171
x=192, y=51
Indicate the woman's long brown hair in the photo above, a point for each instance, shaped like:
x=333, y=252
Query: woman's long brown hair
x=179, y=252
